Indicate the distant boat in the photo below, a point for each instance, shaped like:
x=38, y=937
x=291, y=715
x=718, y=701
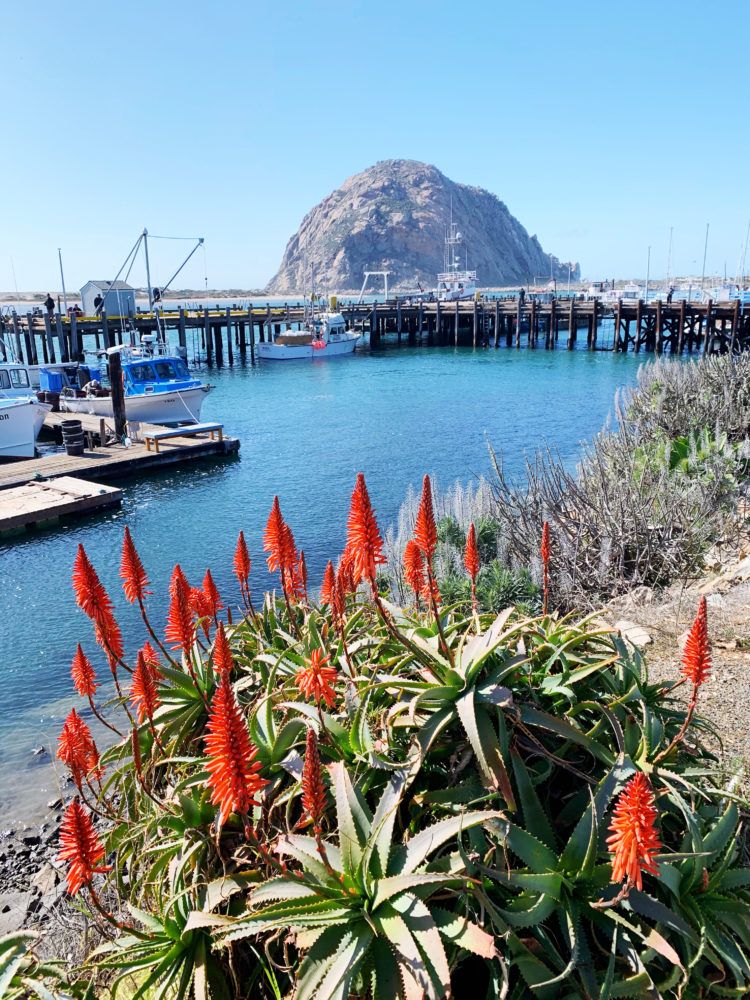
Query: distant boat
x=159, y=388
x=21, y=419
x=323, y=335
x=455, y=282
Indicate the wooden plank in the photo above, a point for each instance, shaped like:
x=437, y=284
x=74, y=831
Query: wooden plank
x=37, y=502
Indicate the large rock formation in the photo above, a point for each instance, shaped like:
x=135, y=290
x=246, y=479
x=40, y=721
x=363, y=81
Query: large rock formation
x=393, y=217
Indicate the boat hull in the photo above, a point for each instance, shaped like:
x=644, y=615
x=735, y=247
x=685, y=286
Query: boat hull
x=174, y=407
x=306, y=352
x=20, y=423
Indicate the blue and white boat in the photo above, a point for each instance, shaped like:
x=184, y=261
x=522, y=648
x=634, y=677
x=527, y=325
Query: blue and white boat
x=159, y=388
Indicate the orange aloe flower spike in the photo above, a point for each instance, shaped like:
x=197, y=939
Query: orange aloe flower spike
x=242, y=561
x=696, y=658
x=329, y=582
x=313, y=788
x=180, y=628
x=633, y=839
x=83, y=674
x=471, y=553
x=425, y=529
x=134, y=579
x=414, y=567
x=93, y=600
x=144, y=695
x=364, y=543
x=80, y=847
x=222, y=654
x=211, y=592
x=273, y=537
x=317, y=678
x=234, y=772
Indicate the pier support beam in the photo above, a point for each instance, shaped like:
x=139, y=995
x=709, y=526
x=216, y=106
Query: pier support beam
x=181, y=329
x=455, y=327
x=117, y=390
x=230, y=349
x=48, y=335
x=572, y=332
x=207, y=337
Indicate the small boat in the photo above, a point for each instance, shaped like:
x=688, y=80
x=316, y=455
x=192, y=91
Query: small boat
x=454, y=281
x=21, y=419
x=323, y=335
x=159, y=388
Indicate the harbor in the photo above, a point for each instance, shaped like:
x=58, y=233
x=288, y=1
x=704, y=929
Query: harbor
x=225, y=335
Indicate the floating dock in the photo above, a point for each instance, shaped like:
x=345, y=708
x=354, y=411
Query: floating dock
x=37, y=490
x=38, y=503
x=223, y=335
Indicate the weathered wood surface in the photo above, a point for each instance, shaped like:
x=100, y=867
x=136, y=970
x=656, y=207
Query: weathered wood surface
x=36, y=502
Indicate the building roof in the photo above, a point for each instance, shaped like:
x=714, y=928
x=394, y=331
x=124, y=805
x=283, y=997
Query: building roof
x=114, y=286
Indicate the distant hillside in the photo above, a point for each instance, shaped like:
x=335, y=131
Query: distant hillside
x=393, y=217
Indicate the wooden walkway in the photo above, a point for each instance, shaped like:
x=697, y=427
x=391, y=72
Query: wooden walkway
x=36, y=503
x=222, y=335
x=114, y=461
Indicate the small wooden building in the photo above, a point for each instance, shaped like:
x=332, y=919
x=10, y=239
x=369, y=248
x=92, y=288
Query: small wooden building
x=118, y=296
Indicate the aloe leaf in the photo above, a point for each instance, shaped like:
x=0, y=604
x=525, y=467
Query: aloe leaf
x=387, y=888
x=534, y=816
x=528, y=913
x=221, y=889
x=531, y=851
x=385, y=983
x=650, y=937
x=390, y=925
x=306, y=851
x=579, y=846
x=13, y=948
x=652, y=909
x=353, y=822
x=378, y=847
x=715, y=841
x=337, y=979
x=319, y=959
x=463, y=933
x=281, y=888
x=534, y=717
x=479, y=647
x=550, y=883
x=531, y=968
x=421, y=924
x=433, y=837
x=486, y=747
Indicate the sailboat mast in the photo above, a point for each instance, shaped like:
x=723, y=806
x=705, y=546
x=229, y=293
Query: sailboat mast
x=148, y=271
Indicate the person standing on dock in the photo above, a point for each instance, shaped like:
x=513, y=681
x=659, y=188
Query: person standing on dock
x=98, y=303
x=49, y=303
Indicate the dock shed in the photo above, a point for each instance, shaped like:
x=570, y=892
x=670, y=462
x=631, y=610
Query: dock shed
x=118, y=296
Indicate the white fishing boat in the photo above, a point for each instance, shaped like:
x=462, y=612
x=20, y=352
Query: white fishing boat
x=323, y=335
x=159, y=388
x=455, y=281
x=21, y=419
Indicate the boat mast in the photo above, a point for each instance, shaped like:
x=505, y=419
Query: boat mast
x=148, y=271
x=62, y=279
x=669, y=259
x=705, y=251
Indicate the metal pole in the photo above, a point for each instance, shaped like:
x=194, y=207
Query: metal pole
x=568, y=280
x=148, y=271
x=62, y=278
x=705, y=251
x=648, y=274
x=669, y=259
x=386, y=285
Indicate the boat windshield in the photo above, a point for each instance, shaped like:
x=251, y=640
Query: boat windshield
x=141, y=373
x=171, y=369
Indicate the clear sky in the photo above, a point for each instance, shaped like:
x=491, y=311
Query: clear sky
x=601, y=125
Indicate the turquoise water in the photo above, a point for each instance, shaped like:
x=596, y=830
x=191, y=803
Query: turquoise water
x=306, y=430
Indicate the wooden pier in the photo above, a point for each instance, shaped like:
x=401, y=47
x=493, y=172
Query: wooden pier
x=223, y=336
x=37, y=503
x=37, y=490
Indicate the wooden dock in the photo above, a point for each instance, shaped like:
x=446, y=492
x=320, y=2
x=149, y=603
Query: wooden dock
x=38, y=503
x=224, y=335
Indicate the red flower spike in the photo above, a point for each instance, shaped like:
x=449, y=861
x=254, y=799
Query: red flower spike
x=425, y=530
x=414, y=567
x=696, y=658
x=471, y=553
x=222, y=653
x=93, y=600
x=242, y=561
x=234, y=777
x=329, y=582
x=210, y=590
x=180, y=628
x=76, y=747
x=80, y=846
x=313, y=788
x=302, y=574
x=633, y=839
x=178, y=579
x=364, y=543
x=545, y=549
x=273, y=538
x=144, y=695
x=349, y=578
x=199, y=605
x=134, y=579
x=545, y=553
x=152, y=661
x=83, y=674
x=315, y=681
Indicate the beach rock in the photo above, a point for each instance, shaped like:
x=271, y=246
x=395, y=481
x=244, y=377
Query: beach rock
x=13, y=911
x=634, y=633
x=393, y=216
x=46, y=879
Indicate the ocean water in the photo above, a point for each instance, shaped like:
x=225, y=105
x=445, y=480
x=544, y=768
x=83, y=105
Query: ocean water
x=306, y=430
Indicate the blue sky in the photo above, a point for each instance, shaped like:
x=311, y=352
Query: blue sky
x=599, y=124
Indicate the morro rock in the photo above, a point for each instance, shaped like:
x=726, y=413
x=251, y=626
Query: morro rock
x=393, y=217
